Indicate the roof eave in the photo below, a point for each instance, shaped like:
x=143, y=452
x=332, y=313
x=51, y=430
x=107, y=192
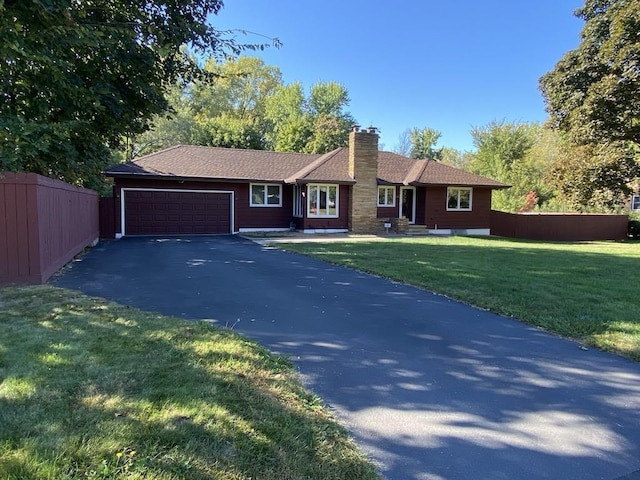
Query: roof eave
x=193, y=179
x=305, y=181
x=459, y=184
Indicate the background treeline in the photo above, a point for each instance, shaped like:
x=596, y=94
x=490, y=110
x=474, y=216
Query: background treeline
x=84, y=85
x=247, y=105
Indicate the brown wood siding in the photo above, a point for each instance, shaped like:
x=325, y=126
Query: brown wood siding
x=341, y=222
x=394, y=212
x=437, y=216
x=245, y=216
x=44, y=223
x=263, y=217
x=388, y=212
x=107, y=217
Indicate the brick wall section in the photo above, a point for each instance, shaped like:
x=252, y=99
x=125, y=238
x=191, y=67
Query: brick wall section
x=363, y=167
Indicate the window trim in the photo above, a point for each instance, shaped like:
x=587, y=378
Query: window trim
x=265, y=195
x=393, y=196
x=458, y=209
x=635, y=198
x=319, y=186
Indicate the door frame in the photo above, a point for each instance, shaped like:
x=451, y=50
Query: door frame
x=123, y=191
x=412, y=220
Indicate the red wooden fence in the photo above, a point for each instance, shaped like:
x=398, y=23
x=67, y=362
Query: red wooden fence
x=44, y=223
x=559, y=226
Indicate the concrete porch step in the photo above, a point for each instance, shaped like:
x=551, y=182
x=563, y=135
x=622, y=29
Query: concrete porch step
x=417, y=230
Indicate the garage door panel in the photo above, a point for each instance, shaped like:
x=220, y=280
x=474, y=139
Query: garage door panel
x=176, y=212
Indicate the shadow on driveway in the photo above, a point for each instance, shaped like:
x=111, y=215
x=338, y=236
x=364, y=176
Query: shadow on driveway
x=430, y=388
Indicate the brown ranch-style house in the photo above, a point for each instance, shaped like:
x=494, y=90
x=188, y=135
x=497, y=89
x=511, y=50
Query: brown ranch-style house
x=190, y=190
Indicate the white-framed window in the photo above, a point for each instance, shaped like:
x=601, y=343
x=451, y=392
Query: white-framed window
x=459, y=199
x=297, y=200
x=635, y=202
x=322, y=200
x=386, y=196
x=265, y=195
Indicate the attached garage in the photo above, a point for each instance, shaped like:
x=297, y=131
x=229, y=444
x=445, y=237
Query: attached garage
x=176, y=212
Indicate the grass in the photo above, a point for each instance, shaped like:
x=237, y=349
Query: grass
x=587, y=291
x=92, y=389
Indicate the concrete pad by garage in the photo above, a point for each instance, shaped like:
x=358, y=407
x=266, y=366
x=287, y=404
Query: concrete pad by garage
x=430, y=388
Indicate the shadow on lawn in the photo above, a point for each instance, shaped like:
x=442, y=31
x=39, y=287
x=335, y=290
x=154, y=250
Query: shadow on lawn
x=96, y=382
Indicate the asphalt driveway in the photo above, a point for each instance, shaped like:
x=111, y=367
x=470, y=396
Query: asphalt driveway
x=430, y=388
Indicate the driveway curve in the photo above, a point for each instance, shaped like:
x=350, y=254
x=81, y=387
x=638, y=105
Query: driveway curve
x=429, y=387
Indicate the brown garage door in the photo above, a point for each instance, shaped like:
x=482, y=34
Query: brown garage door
x=159, y=212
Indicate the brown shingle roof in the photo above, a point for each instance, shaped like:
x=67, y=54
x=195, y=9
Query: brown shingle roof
x=436, y=173
x=213, y=162
x=396, y=169
x=260, y=165
x=393, y=168
x=330, y=167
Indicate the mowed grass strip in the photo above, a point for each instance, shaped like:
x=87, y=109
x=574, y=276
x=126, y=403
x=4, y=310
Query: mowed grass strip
x=587, y=291
x=92, y=389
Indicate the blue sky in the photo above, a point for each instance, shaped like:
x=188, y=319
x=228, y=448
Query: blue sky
x=444, y=64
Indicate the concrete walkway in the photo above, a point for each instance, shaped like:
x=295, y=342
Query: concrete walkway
x=430, y=388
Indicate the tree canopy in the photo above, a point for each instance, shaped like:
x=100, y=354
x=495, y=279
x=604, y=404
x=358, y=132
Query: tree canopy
x=419, y=143
x=593, y=97
x=77, y=76
x=315, y=124
x=249, y=106
x=520, y=155
x=523, y=155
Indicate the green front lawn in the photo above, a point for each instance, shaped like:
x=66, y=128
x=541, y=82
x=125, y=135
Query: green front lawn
x=93, y=390
x=587, y=291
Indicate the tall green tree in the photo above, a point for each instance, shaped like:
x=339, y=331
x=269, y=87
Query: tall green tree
x=318, y=123
x=423, y=142
x=248, y=106
x=330, y=122
x=456, y=158
x=595, y=177
x=419, y=143
x=592, y=95
x=240, y=91
x=289, y=128
x=513, y=153
x=177, y=126
x=228, y=112
x=499, y=146
x=78, y=76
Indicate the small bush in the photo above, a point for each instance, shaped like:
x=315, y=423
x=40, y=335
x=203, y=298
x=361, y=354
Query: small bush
x=634, y=229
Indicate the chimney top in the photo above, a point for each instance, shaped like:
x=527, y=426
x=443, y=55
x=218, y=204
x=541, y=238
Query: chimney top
x=355, y=128
x=372, y=129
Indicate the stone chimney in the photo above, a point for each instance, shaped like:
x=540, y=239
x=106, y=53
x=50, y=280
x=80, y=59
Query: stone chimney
x=363, y=167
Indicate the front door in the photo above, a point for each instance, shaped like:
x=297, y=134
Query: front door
x=408, y=203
